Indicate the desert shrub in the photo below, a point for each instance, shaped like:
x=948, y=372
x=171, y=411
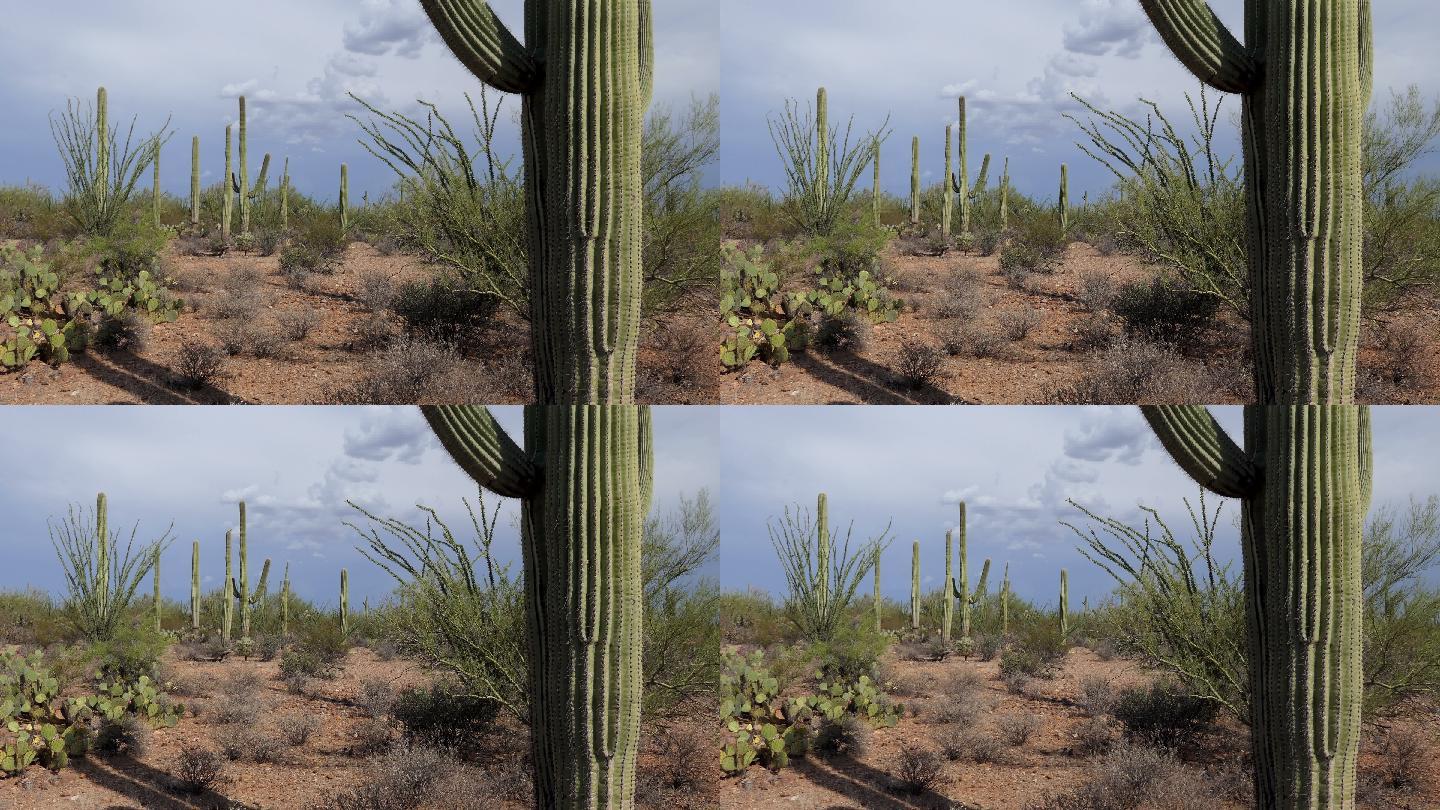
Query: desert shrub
x=1135, y=777
x=918, y=769
x=296, y=276
x=226, y=710
x=1093, y=333
x=98, y=602
x=847, y=332
x=970, y=744
x=1097, y=696
x=1017, y=264
x=1164, y=312
x=197, y=364
x=296, y=729
x=410, y=777
x=1015, y=729
x=1016, y=681
x=130, y=652
x=376, y=698
x=369, y=737
x=323, y=239
x=376, y=291
x=960, y=708
x=1402, y=610
x=1017, y=323
x=848, y=736
x=962, y=295
x=268, y=240
x=128, y=736
x=1139, y=371
x=1097, y=290
x=98, y=204
x=988, y=645
x=974, y=339
x=241, y=293
x=1403, y=759
x=443, y=308
x=127, y=332
x=681, y=634
x=820, y=616
x=296, y=324
x=248, y=744
x=988, y=240
x=248, y=335
x=198, y=769
x=1163, y=714
x=1090, y=737
x=296, y=682
x=1038, y=649
x=918, y=364
x=443, y=715
x=815, y=204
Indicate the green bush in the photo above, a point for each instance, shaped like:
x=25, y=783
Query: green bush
x=1164, y=312
x=849, y=654
x=1037, y=650
x=131, y=652
x=443, y=309
x=1163, y=714
x=445, y=716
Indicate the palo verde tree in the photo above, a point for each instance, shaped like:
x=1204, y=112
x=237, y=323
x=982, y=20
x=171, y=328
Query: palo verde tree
x=584, y=480
x=1303, y=480
x=1304, y=73
x=585, y=73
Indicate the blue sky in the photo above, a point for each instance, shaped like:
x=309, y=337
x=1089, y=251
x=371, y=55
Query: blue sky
x=294, y=467
x=190, y=59
x=1014, y=466
x=1016, y=61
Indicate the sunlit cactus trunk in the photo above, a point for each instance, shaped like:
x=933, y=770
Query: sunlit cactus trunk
x=227, y=194
x=875, y=189
x=155, y=563
x=344, y=197
x=1064, y=602
x=1064, y=205
x=915, y=181
x=102, y=551
x=915, y=586
x=195, y=182
x=822, y=549
x=285, y=197
x=947, y=194
x=1304, y=72
x=195, y=585
x=962, y=178
x=877, y=590
x=242, y=186
x=102, y=146
x=1303, y=477
x=227, y=597
x=584, y=482
x=1005, y=603
x=285, y=603
x=947, y=601
x=344, y=601
x=1005, y=196
x=585, y=73
x=248, y=599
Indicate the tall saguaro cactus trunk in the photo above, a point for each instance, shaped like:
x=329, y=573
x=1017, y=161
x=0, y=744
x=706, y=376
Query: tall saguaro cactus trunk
x=915, y=586
x=1304, y=72
x=822, y=549
x=947, y=194
x=1064, y=602
x=585, y=73
x=195, y=586
x=877, y=590
x=157, y=603
x=248, y=599
x=915, y=181
x=227, y=597
x=947, y=610
x=227, y=207
x=875, y=189
x=102, y=550
x=584, y=482
x=1303, y=476
x=195, y=183
x=961, y=180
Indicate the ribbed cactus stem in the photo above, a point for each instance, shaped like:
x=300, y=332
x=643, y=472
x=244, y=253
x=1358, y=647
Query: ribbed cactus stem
x=285, y=197
x=243, y=189
x=915, y=586
x=1005, y=603
x=102, y=550
x=1064, y=602
x=962, y=179
x=584, y=486
x=963, y=592
x=947, y=601
x=285, y=603
x=344, y=601
x=983, y=180
x=1064, y=197
x=1303, y=478
x=227, y=594
x=195, y=182
x=1005, y=196
x=244, y=590
x=155, y=184
x=947, y=196
x=822, y=549
x=915, y=181
x=195, y=585
x=822, y=144
x=227, y=193
x=156, y=573
x=876, y=563
x=875, y=188
x=102, y=145
x=344, y=197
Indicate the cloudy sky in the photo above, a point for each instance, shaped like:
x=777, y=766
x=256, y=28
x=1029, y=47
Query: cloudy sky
x=190, y=59
x=295, y=468
x=1014, y=466
x=1016, y=61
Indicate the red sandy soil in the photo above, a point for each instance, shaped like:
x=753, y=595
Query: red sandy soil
x=333, y=355
x=1031, y=370
x=1026, y=775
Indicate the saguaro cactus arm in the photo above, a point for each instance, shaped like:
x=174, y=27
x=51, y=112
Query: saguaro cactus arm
x=1202, y=43
x=647, y=51
x=483, y=44
x=484, y=450
x=1203, y=450
x=1367, y=51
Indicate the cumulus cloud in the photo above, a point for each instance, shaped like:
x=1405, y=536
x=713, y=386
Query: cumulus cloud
x=1110, y=434
x=1109, y=27
x=389, y=26
x=387, y=433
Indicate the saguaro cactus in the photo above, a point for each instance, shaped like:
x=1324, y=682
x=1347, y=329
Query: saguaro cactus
x=875, y=189
x=248, y=599
x=155, y=185
x=1303, y=477
x=102, y=548
x=1005, y=196
x=195, y=182
x=822, y=548
x=915, y=586
x=983, y=180
x=227, y=599
x=947, y=196
x=242, y=185
x=876, y=563
x=1064, y=207
x=195, y=585
x=344, y=601
x=947, y=609
x=584, y=485
x=1064, y=602
x=961, y=589
x=285, y=197
x=586, y=72
x=822, y=143
x=915, y=181
x=285, y=603
x=1005, y=603
x=344, y=197
x=1304, y=73
x=227, y=208
x=961, y=180
x=156, y=565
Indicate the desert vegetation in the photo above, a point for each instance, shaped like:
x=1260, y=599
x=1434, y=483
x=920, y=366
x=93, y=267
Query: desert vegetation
x=435, y=290
x=971, y=694
x=252, y=694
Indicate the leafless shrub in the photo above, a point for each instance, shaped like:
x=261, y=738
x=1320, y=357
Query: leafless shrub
x=1092, y=736
x=370, y=737
x=241, y=293
x=297, y=728
x=376, y=698
x=918, y=364
x=409, y=371
x=1097, y=696
x=197, y=364
x=1016, y=683
x=1403, y=760
x=198, y=769
x=1136, y=371
x=1016, y=324
x=848, y=736
x=1135, y=777
x=962, y=295
x=415, y=776
x=230, y=709
x=918, y=770
x=127, y=332
x=979, y=339
x=1092, y=333
x=846, y=332
x=128, y=736
x=376, y=291
x=1015, y=729
x=1097, y=290
x=971, y=745
x=248, y=744
x=1402, y=349
x=1017, y=277
x=296, y=324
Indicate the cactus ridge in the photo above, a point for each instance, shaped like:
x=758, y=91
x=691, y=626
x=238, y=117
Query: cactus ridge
x=915, y=181
x=915, y=586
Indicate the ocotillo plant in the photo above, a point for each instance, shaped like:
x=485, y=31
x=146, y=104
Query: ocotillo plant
x=344, y=197
x=102, y=575
x=947, y=609
x=1064, y=602
x=227, y=207
x=583, y=129
x=157, y=604
x=947, y=196
x=248, y=599
x=915, y=586
x=1064, y=207
x=915, y=181
x=875, y=190
x=227, y=599
x=961, y=589
x=584, y=486
x=876, y=563
x=1303, y=478
x=195, y=182
x=1305, y=73
x=1005, y=197
x=1005, y=603
x=195, y=585
x=344, y=601
x=961, y=180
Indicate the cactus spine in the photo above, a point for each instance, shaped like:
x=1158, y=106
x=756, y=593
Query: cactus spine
x=877, y=590
x=915, y=181
x=285, y=603
x=344, y=601
x=156, y=563
x=822, y=550
x=1005, y=603
x=227, y=618
x=248, y=599
x=228, y=206
x=947, y=198
x=915, y=586
x=1303, y=477
x=1305, y=73
x=195, y=182
x=1005, y=197
x=344, y=197
x=875, y=190
x=584, y=486
x=1064, y=198
x=947, y=610
x=195, y=585
x=962, y=179
x=1064, y=602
